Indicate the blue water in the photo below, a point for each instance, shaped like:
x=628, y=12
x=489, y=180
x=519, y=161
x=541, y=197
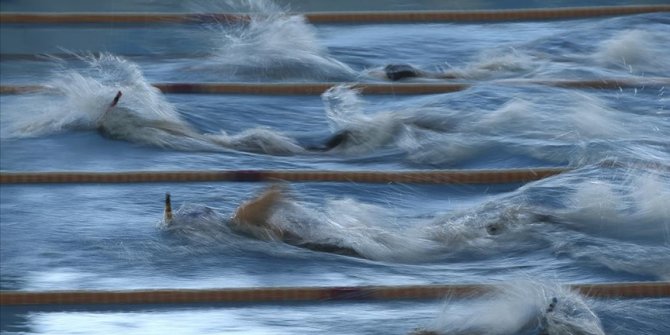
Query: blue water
x=600, y=222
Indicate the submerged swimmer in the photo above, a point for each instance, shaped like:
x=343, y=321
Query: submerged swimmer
x=119, y=122
x=395, y=72
x=165, y=128
x=123, y=123
x=252, y=218
x=340, y=139
x=270, y=216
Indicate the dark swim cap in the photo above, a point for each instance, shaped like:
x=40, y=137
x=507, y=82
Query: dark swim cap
x=400, y=71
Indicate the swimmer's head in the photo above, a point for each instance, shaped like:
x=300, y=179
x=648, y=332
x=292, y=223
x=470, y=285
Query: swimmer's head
x=495, y=228
x=401, y=71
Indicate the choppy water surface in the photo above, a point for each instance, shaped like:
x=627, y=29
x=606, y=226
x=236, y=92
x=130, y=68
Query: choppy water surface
x=606, y=220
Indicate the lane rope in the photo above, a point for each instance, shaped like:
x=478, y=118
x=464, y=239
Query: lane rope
x=368, y=88
x=295, y=294
x=426, y=176
x=336, y=17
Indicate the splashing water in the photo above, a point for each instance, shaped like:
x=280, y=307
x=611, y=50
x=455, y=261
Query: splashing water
x=199, y=224
x=343, y=107
x=143, y=114
x=576, y=227
x=367, y=132
x=637, y=51
x=519, y=308
x=83, y=96
x=272, y=44
x=371, y=232
x=584, y=130
x=633, y=210
x=499, y=63
x=620, y=222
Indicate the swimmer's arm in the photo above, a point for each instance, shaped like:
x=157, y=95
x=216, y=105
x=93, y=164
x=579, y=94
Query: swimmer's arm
x=167, y=212
x=115, y=101
x=257, y=212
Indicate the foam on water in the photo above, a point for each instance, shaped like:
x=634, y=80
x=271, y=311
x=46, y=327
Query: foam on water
x=365, y=132
x=633, y=210
x=637, y=51
x=499, y=63
x=79, y=99
x=262, y=140
x=618, y=220
x=344, y=223
x=200, y=224
x=272, y=44
x=619, y=256
x=519, y=308
x=573, y=127
x=368, y=131
x=344, y=107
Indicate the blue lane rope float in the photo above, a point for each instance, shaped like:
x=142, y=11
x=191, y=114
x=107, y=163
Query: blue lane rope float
x=336, y=17
x=296, y=294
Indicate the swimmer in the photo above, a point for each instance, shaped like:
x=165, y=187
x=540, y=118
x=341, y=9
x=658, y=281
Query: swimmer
x=256, y=218
x=340, y=138
x=123, y=123
x=253, y=218
x=395, y=72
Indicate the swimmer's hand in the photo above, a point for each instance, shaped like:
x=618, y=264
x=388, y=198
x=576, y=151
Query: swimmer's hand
x=112, y=105
x=116, y=99
x=167, y=212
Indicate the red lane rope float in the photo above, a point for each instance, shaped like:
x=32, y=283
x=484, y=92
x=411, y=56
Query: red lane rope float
x=336, y=17
x=430, y=176
x=592, y=83
x=481, y=15
x=270, y=89
x=318, y=88
x=306, y=88
x=294, y=294
x=21, y=89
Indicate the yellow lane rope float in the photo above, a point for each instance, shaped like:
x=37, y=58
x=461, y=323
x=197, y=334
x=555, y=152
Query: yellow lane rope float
x=426, y=176
x=295, y=294
x=398, y=88
x=336, y=17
